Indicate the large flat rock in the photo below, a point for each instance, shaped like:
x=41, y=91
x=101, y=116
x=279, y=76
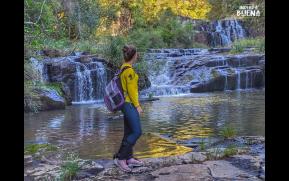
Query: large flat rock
x=209, y=170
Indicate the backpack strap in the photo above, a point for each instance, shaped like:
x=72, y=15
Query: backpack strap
x=123, y=69
x=126, y=67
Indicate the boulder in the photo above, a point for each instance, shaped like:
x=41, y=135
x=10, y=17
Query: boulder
x=53, y=53
x=224, y=170
x=50, y=99
x=183, y=172
x=202, y=38
x=143, y=82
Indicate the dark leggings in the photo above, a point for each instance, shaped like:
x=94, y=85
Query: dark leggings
x=132, y=131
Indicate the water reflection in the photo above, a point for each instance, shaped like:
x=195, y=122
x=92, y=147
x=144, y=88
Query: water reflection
x=93, y=132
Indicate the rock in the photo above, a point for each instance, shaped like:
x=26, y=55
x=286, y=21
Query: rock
x=189, y=166
x=85, y=59
x=92, y=167
x=148, y=99
x=143, y=82
x=215, y=153
x=250, y=140
x=247, y=162
x=216, y=84
x=220, y=50
x=191, y=157
x=28, y=161
x=27, y=158
x=88, y=169
x=224, y=170
x=67, y=94
x=201, y=37
x=46, y=100
x=44, y=171
x=52, y=53
x=253, y=78
x=183, y=172
x=205, y=71
x=50, y=100
x=198, y=157
x=85, y=71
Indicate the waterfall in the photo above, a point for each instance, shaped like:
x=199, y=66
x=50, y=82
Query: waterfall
x=90, y=82
x=249, y=80
x=163, y=73
x=238, y=79
x=40, y=69
x=101, y=80
x=224, y=32
x=83, y=85
x=161, y=80
x=83, y=81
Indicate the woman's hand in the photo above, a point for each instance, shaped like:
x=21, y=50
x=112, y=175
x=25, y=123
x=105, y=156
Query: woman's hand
x=139, y=109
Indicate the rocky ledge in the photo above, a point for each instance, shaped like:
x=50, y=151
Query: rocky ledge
x=240, y=158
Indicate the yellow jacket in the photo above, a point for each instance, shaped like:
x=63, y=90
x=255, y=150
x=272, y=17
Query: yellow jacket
x=129, y=82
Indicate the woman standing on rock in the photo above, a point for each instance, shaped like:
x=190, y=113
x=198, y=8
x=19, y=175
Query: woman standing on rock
x=131, y=111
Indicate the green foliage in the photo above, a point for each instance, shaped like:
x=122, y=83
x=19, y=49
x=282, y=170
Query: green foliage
x=237, y=48
x=60, y=44
x=166, y=32
x=228, y=132
x=226, y=9
x=230, y=150
x=174, y=33
x=141, y=67
x=34, y=148
x=69, y=168
x=257, y=43
x=146, y=38
x=54, y=86
x=215, y=153
x=40, y=18
x=90, y=46
x=256, y=25
x=221, y=9
x=30, y=97
x=112, y=49
x=202, y=145
x=85, y=17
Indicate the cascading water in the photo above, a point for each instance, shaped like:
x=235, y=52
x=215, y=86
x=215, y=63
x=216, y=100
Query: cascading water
x=162, y=73
x=40, y=69
x=83, y=86
x=178, y=71
x=161, y=80
x=83, y=82
x=238, y=79
x=100, y=80
x=90, y=82
x=223, y=32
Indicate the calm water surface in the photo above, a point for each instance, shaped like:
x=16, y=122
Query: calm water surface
x=93, y=132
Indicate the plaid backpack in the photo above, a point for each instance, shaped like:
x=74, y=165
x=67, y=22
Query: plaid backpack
x=114, y=97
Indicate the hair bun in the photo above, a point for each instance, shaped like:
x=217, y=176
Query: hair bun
x=125, y=49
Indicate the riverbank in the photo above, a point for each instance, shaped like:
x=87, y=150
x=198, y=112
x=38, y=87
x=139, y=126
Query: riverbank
x=239, y=158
